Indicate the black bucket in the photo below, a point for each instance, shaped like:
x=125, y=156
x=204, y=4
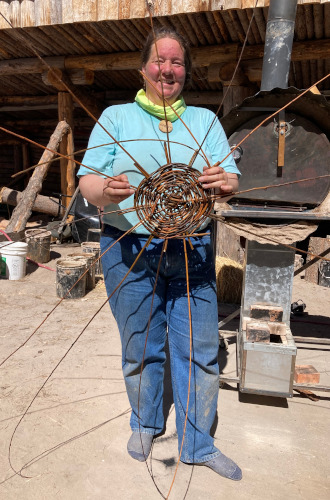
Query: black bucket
x=68, y=272
x=93, y=247
x=89, y=259
x=38, y=241
x=93, y=234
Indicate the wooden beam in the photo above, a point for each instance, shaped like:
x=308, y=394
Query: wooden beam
x=202, y=56
x=79, y=76
x=28, y=100
x=227, y=74
x=40, y=124
x=28, y=108
x=60, y=80
x=253, y=70
x=54, y=78
x=26, y=103
x=194, y=97
x=30, y=65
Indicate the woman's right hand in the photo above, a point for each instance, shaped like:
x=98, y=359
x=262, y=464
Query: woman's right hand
x=100, y=192
x=117, y=189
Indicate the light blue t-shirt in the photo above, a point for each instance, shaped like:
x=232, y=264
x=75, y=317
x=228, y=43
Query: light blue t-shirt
x=138, y=132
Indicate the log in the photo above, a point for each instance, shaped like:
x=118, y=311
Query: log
x=253, y=70
x=41, y=124
x=26, y=103
x=79, y=76
x=42, y=204
x=202, y=57
x=23, y=210
x=229, y=74
x=65, y=112
x=61, y=81
x=23, y=101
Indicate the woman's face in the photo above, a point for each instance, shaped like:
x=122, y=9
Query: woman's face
x=168, y=66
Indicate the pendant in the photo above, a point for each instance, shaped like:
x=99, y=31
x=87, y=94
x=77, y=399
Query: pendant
x=162, y=126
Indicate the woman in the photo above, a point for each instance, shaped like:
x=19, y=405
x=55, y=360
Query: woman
x=166, y=70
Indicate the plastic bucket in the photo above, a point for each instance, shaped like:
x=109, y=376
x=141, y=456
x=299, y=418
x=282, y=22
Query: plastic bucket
x=93, y=247
x=68, y=272
x=38, y=241
x=89, y=259
x=13, y=260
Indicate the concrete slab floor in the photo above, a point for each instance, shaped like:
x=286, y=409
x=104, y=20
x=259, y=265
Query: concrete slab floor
x=71, y=443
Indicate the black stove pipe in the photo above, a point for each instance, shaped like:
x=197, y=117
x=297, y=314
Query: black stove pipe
x=278, y=44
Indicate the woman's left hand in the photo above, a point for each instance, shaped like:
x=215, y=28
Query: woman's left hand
x=216, y=178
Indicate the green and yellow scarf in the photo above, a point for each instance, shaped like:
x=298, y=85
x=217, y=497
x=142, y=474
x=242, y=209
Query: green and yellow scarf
x=154, y=109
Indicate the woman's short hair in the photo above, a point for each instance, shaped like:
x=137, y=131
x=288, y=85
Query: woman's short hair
x=168, y=32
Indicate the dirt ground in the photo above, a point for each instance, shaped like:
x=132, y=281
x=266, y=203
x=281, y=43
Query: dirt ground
x=68, y=440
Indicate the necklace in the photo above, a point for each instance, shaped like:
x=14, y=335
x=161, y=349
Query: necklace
x=165, y=126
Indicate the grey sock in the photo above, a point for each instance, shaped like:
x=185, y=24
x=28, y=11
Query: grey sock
x=139, y=445
x=225, y=467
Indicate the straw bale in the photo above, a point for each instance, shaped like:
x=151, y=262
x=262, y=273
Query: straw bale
x=229, y=275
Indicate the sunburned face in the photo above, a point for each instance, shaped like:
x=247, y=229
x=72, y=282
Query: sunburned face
x=168, y=68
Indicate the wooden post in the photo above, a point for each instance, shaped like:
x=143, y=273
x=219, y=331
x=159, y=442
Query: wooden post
x=24, y=208
x=227, y=243
x=65, y=112
x=316, y=246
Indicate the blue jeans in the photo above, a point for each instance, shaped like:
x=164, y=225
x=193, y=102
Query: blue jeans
x=131, y=307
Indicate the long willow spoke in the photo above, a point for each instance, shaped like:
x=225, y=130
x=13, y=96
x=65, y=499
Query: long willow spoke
x=164, y=248
x=60, y=301
x=190, y=363
x=52, y=151
x=138, y=166
x=45, y=453
x=271, y=186
x=70, y=157
x=179, y=117
x=274, y=114
x=168, y=150
x=72, y=345
x=234, y=73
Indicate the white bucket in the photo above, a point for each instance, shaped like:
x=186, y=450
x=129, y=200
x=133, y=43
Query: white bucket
x=13, y=260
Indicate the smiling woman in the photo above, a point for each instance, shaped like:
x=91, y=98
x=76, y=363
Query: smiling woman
x=150, y=277
x=165, y=68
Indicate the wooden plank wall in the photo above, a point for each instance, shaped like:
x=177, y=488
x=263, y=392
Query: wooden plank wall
x=24, y=13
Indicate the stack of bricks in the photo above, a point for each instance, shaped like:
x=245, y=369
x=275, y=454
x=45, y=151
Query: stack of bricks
x=265, y=320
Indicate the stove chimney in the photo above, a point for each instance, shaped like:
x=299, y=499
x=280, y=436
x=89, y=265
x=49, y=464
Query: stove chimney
x=278, y=44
